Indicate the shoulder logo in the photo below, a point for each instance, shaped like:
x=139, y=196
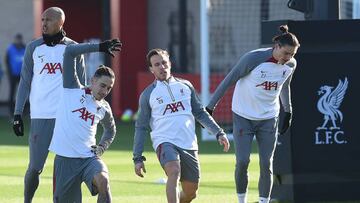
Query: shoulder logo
x=41, y=57
x=329, y=104
x=182, y=91
x=82, y=99
x=159, y=100
x=263, y=74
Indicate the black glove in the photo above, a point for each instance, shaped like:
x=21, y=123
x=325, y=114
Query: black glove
x=286, y=123
x=209, y=111
x=109, y=46
x=98, y=150
x=18, y=125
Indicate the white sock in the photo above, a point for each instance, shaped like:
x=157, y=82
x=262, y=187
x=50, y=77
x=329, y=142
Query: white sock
x=264, y=200
x=242, y=198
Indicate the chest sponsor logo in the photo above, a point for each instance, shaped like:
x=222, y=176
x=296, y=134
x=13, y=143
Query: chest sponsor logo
x=328, y=104
x=51, y=68
x=267, y=85
x=174, y=107
x=85, y=115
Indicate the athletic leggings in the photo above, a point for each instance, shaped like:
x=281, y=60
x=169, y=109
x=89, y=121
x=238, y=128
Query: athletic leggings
x=265, y=132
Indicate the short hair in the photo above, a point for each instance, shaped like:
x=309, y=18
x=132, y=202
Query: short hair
x=104, y=71
x=18, y=36
x=286, y=37
x=154, y=52
x=58, y=11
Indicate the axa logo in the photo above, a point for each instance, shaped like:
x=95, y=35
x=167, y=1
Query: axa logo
x=50, y=68
x=329, y=105
x=268, y=85
x=174, y=107
x=85, y=115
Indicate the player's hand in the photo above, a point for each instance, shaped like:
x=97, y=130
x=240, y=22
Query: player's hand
x=209, y=111
x=18, y=125
x=223, y=140
x=140, y=168
x=98, y=150
x=286, y=123
x=109, y=46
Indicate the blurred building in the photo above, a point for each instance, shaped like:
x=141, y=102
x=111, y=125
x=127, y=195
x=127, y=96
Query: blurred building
x=234, y=28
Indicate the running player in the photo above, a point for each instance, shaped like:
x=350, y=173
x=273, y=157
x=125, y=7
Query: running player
x=80, y=110
x=262, y=76
x=41, y=81
x=167, y=108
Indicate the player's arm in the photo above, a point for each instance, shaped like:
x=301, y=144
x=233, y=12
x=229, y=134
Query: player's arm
x=141, y=130
x=80, y=69
x=25, y=79
x=241, y=69
x=70, y=78
x=80, y=66
x=24, y=87
x=285, y=98
x=205, y=119
x=109, y=132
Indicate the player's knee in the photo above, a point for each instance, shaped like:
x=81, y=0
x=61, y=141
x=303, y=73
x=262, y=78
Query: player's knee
x=33, y=171
x=190, y=195
x=101, y=181
x=173, y=172
x=265, y=165
x=242, y=164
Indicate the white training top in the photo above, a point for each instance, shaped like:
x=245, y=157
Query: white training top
x=41, y=77
x=256, y=96
x=47, y=80
x=76, y=123
x=171, y=111
x=260, y=82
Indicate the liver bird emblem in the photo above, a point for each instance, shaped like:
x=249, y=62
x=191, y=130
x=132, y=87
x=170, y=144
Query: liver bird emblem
x=330, y=102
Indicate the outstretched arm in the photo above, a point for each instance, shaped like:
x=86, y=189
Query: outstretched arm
x=70, y=78
x=241, y=69
x=80, y=69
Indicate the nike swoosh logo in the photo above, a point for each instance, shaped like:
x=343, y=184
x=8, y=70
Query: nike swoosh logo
x=41, y=56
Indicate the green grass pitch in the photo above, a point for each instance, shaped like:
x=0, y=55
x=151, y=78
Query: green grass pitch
x=217, y=171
